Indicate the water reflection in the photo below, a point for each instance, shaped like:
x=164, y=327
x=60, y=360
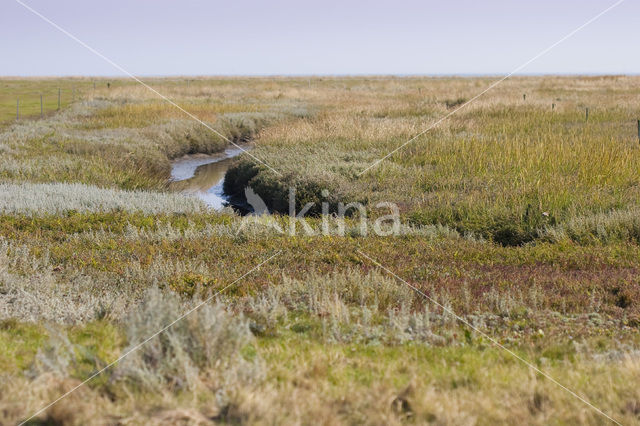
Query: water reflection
x=203, y=176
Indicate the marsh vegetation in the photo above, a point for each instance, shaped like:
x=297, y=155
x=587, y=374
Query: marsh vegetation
x=521, y=218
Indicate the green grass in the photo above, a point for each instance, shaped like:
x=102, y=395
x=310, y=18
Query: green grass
x=20, y=342
x=344, y=381
x=502, y=171
x=28, y=92
x=528, y=221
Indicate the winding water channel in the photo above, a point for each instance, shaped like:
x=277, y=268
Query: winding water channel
x=203, y=175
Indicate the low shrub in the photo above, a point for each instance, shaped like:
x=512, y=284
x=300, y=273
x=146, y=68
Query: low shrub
x=207, y=348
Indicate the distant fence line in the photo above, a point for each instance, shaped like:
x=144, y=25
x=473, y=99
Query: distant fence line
x=43, y=108
x=108, y=85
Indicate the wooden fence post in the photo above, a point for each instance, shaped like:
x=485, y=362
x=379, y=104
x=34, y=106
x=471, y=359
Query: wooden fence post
x=524, y=96
x=553, y=106
x=586, y=114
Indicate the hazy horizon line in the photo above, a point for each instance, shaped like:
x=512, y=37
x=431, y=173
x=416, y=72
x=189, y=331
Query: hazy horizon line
x=339, y=75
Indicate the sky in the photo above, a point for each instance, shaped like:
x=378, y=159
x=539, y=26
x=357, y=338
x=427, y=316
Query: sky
x=327, y=37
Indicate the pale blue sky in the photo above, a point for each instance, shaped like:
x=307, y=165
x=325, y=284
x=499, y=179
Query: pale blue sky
x=189, y=37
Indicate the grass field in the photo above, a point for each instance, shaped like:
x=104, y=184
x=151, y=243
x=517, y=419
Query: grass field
x=27, y=92
x=519, y=215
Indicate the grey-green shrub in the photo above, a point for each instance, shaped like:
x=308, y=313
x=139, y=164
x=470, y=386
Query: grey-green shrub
x=605, y=227
x=207, y=348
x=56, y=198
